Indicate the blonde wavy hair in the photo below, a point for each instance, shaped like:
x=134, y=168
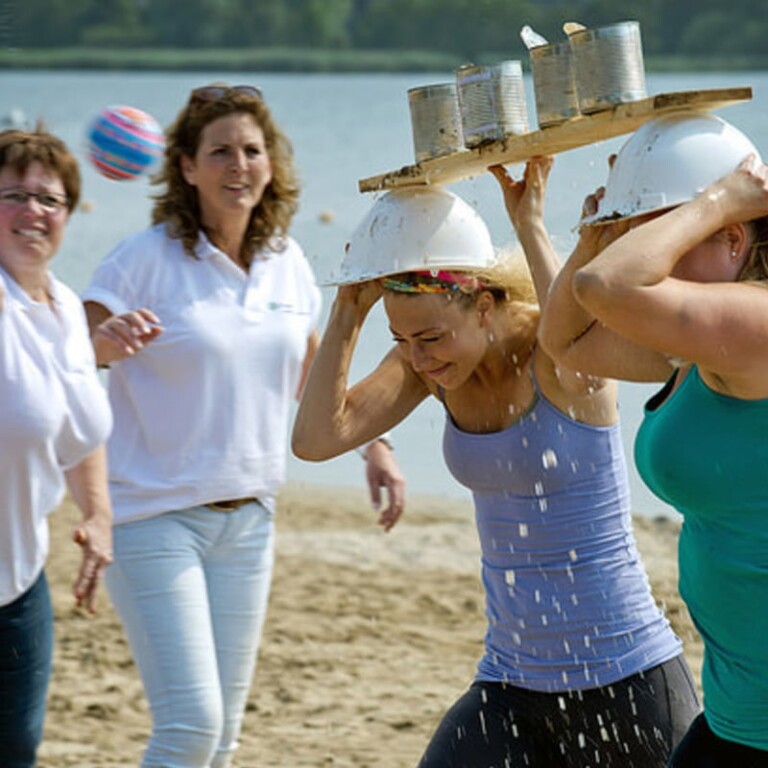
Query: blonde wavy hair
x=508, y=279
x=178, y=205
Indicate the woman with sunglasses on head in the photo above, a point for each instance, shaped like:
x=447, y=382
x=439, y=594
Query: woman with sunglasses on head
x=580, y=666
x=208, y=321
x=54, y=420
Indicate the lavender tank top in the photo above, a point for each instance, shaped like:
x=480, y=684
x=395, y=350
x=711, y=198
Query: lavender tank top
x=568, y=601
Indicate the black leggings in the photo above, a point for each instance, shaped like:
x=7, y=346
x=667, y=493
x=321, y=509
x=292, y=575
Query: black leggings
x=702, y=749
x=633, y=723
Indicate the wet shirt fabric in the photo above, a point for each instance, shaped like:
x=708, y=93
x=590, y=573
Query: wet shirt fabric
x=568, y=602
x=201, y=412
x=706, y=454
x=53, y=413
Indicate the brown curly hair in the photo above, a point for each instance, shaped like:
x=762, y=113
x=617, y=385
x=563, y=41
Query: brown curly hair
x=19, y=149
x=178, y=205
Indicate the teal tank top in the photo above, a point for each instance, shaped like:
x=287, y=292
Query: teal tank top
x=706, y=454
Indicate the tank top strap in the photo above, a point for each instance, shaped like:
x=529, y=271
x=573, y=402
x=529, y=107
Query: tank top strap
x=536, y=389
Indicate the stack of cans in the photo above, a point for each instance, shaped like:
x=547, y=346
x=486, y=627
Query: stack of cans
x=594, y=70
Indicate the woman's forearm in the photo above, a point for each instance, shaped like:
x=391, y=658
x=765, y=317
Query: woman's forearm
x=542, y=258
x=87, y=483
x=645, y=256
x=319, y=426
x=564, y=320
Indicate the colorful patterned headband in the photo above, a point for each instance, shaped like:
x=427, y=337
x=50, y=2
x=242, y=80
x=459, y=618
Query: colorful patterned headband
x=426, y=281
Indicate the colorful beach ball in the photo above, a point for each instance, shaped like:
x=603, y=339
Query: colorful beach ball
x=124, y=142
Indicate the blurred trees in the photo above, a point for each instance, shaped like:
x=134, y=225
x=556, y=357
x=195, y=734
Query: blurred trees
x=465, y=28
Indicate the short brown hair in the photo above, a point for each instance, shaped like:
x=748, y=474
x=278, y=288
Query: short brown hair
x=20, y=149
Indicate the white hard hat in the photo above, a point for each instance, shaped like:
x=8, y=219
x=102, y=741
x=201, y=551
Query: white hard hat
x=668, y=161
x=416, y=228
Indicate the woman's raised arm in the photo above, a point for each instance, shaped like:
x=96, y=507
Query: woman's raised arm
x=333, y=418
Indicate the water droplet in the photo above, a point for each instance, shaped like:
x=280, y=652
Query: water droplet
x=549, y=459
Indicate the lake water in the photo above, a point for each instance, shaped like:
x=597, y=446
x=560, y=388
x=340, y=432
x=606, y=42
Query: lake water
x=344, y=128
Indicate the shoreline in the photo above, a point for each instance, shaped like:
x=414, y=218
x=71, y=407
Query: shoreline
x=286, y=60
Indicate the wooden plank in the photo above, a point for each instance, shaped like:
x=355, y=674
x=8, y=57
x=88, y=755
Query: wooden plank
x=577, y=132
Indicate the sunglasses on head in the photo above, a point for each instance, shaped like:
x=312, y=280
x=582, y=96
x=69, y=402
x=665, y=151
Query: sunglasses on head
x=216, y=92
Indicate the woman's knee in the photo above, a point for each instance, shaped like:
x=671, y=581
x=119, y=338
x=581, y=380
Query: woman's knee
x=187, y=739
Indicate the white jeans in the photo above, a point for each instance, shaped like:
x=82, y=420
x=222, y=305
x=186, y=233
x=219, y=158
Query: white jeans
x=191, y=588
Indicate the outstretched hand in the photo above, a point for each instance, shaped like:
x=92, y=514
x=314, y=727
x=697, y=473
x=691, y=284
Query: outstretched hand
x=524, y=199
x=121, y=336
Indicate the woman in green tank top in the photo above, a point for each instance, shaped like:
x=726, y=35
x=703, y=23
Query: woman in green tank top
x=668, y=282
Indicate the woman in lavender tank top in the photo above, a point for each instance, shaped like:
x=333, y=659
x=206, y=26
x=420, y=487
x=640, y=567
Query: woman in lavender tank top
x=580, y=666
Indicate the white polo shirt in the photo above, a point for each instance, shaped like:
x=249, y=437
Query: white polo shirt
x=53, y=413
x=201, y=413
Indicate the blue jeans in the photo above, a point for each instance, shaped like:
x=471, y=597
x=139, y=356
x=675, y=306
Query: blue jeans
x=191, y=588
x=26, y=651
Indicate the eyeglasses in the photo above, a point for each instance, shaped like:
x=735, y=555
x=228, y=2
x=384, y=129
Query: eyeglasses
x=216, y=92
x=47, y=201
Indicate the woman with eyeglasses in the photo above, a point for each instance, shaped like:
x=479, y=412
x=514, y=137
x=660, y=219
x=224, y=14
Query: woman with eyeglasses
x=208, y=321
x=54, y=420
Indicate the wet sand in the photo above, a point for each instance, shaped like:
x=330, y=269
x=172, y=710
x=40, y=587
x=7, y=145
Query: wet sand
x=369, y=637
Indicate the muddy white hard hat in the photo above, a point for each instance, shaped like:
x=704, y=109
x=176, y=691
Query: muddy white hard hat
x=416, y=228
x=668, y=161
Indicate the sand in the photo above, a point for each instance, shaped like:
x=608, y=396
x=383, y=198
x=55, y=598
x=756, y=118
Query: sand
x=369, y=637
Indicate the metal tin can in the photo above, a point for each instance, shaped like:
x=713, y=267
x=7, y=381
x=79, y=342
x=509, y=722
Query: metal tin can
x=435, y=120
x=554, y=83
x=608, y=63
x=491, y=102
